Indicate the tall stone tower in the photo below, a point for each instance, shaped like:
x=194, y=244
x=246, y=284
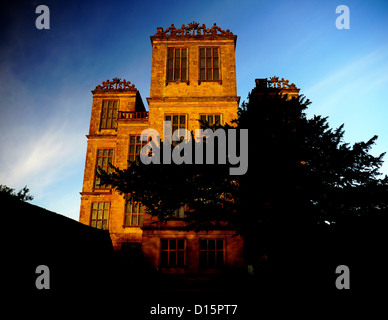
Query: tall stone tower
x=193, y=77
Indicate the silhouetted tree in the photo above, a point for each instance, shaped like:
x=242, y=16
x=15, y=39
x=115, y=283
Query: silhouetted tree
x=22, y=194
x=300, y=170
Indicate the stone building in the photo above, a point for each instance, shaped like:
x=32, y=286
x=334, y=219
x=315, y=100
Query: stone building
x=193, y=76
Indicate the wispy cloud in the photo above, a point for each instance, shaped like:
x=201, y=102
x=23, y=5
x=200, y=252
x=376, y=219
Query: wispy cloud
x=40, y=156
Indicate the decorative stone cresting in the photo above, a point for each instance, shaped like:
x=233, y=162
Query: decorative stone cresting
x=193, y=28
x=116, y=85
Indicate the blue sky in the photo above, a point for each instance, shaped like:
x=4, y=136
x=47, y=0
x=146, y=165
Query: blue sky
x=46, y=75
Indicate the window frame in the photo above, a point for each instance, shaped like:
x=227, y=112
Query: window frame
x=140, y=212
x=176, y=250
x=99, y=186
x=216, y=251
x=174, y=68
x=97, y=203
x=114, y=114
x=201, y=126
x=206, y=68
x=138, y=142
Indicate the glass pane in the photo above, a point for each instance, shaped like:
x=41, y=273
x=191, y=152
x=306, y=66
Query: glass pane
x=99, y=152
x=172, y=244
x=217, y=119
x=208, y=52
x=215, y=62
x=134, y=220
x=184, y=52
x=109, y=123
x=208, y=62
x=105, y=162
x=127, y=220
x=182, y=119
x=104, y=225
x=177, y=63
x=211, y=259
x=211, y=244
x=209, y=74
x=95, y=205
x=175, y=119
x=94, y=214
x=215, y=52
x=203, y=258
x=138, y=149
x=105, y=217
x=140, y=220
x=202, y=244
x=170, y=63
x=105, y=152
x=170, y=52
x=170, y=74
x=183, y=76
x=177, y=52
x=93, y=224
x=132, y=139
x=168, y=118
x=220, y=258
x=202, y=52
x=132, y=149
x=99, y=214
x=220, y=244
x=141, y=208
x=100, y=205
x=202, y=74
x=184, y=63
x=210, y=120
x=135, y=208
x=216, y=74
x=110, y=153
x=177, y=74
x=181, y=244
x=164, y=244
x=99, y=224
x=172, y=261
x=202, y=63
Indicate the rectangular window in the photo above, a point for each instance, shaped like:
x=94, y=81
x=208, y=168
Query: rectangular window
x=172, y=252
x=209, y=66
x=133, y=215
x=176, y=64
x=135, y=146
x=178, y=121
x=212, y=119
x=100, y=214
x=211, y=253
x=104, y=157
x=180, y=212
x=109, y=114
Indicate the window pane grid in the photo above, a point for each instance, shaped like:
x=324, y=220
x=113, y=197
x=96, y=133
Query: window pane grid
x=176, y=64
x=212, y=119
x=211, y=252
x=99, y=215
x=104, y=157
x=109, y=114
x=178, y=121
x=133, y=215
x=135, y=146
x=173, y=252
x=209, y=64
